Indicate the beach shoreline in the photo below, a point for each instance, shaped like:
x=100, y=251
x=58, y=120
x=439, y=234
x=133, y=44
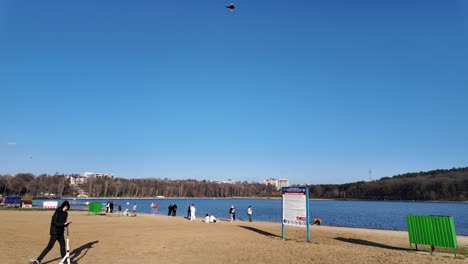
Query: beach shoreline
x=147, y=238
x=254, y=198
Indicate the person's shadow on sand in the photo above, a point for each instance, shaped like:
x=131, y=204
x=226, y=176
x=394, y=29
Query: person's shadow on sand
x=77, y=254
x=261, y=232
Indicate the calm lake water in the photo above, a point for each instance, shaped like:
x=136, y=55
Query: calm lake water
x=368, y=214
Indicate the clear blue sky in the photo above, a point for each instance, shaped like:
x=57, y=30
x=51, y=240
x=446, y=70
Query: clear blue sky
x=313, y=91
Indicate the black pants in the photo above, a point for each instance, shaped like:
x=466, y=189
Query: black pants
x=49, y=246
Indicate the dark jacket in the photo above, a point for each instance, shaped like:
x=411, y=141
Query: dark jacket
x=57, y=225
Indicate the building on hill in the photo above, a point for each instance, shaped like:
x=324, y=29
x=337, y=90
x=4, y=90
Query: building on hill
x=229, y=181
x=78, y=179
x=98, y=175
x=278, y=183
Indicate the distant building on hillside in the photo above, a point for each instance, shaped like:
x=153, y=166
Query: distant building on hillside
x=78, y=179
x=278, y=183
x=98, y=175
x=229, y=181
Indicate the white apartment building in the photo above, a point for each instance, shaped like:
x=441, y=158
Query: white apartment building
x=83, y=179
x=278, y=183
x=97, y=175
x=76, y=179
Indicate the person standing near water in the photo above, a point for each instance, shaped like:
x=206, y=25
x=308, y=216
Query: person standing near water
x=192, y=212
x=188, y=211
x=232, y=212
x=134, y=209
x=155, y=208
x=169, y=210
x=174, y=209
x=249, y=212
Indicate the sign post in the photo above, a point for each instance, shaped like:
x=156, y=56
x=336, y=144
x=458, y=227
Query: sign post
x=295, y=208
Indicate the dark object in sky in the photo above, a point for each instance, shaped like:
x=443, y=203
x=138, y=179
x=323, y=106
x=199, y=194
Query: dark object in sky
x=231, y=7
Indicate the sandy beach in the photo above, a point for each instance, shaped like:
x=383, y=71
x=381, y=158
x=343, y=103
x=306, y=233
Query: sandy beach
x=163, y=239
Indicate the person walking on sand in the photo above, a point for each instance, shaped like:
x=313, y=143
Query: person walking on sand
x=232, y=212
x=57, y=227
x=152, y=208
x=249, y=212
x=192, y=212
x=120, y=209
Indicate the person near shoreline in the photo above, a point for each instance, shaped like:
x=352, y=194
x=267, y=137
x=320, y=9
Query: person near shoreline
x=111, y=207
x=174, y=209
x=120, y=209
x=212, y=219
x=155, y=208
x=188, y=211
x=134, y=209
x=232, y=212
x=249, y=213
x=209, y=218
x=169, y=210
x=107, y=206
x=57, y=227
x=192, y=212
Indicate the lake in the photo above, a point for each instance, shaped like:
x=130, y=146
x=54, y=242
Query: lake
x=389, y=215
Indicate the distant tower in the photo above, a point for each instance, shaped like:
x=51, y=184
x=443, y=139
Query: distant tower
x=370, y=175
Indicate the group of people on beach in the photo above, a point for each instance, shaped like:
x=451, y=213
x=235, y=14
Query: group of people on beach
x=209, y=219
x=212, y=219
x=191, y=212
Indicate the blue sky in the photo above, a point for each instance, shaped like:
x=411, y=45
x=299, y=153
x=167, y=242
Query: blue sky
x=313, y=91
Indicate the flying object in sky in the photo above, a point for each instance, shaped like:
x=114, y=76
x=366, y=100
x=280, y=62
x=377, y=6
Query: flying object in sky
x=231, y=7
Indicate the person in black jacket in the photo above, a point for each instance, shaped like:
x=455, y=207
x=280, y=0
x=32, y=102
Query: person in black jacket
x=174, y=209
x=57, y=227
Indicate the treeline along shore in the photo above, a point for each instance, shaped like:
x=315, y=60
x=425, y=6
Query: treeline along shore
x=436, y=185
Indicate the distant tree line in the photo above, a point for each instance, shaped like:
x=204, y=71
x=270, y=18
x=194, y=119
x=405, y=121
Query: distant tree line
x=27, y=183
x=151, y=187
x=59, y=185
x=445, y=185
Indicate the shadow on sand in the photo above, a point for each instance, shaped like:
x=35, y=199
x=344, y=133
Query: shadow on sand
x=259, y=231
x=369, y=243
x=77, y=254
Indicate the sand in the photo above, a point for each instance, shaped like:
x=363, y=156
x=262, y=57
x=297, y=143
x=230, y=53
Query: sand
x=163, y=239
